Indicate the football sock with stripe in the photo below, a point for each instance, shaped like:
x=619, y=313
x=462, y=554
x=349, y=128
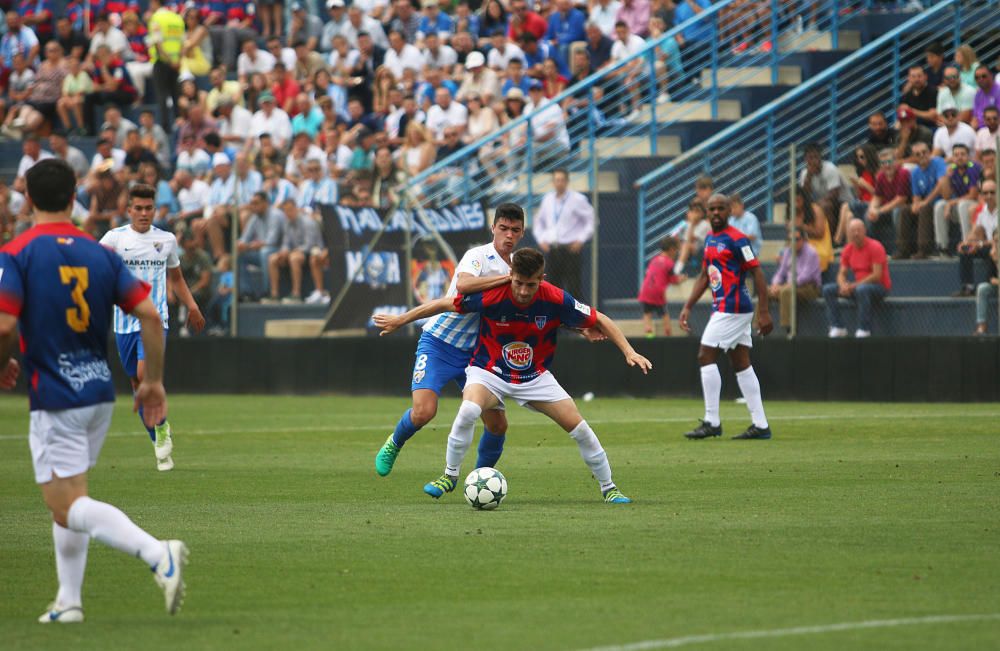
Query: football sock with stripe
x=711, y=386
x=405, y=429
x=593, y=453
x=71, y=562
x=460, y=437
x=490, y=449
x=750, y=386
x=109, y=525
x=150, y=430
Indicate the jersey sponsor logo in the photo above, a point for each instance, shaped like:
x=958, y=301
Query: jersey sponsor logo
x=79, y=373
x=714, y=277
x=518, y=355
x=540, y=322
x=476, y=265
x=747, y=253
x=582, y=308
x=64, y=240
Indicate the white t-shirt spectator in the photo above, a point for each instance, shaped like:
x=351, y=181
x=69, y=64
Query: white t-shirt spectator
x=986, y=140
x=27, y=161
x=409, y=57
x=498, y=60
x=341, y=159
x=621, y=50
x=114, y=38
x=294, y=166
x=336, y=61
x=394, y=118
x=237, y=124
x=196, y=161
x=194, y=198
x=277, y=124
x=605, y=17
x=825, y=182
x=20, y=81
x=549, y=120
x=263, y=62
x=117, y=155
x=988, y=220
x=438, y=119
x=963, y=134
x=445, y=58
x=369, y=25
x=962, y=100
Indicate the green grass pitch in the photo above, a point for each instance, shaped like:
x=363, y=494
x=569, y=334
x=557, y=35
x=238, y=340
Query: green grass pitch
x=853, y=513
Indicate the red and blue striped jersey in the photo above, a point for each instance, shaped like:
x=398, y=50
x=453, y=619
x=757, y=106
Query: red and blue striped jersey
x=728, y=256
x=61, y=285
x=518, y=342
x=38, y=8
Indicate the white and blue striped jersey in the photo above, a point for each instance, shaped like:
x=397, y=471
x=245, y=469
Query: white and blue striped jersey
x=148, y=256
x=462, y=330
x=315, y=193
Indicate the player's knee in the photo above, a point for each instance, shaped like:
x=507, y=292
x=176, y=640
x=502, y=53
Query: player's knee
x=423, y=413
x=705, y=358
x=495, y=421
x=468, y=412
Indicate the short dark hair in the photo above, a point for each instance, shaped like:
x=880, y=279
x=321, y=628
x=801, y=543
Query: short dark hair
x=212, y=139
x=815, y=148
x=260, y=195
x=704, y=182
x=621, y=23
x=959, y=145
x=510, y=211
x=527, y=262
x=669, y=243
x=51, y=184
x=561, y=170
x=141, y=191
x=694, y=204
x=735, y=197
x=991, y=109
x=935, y=48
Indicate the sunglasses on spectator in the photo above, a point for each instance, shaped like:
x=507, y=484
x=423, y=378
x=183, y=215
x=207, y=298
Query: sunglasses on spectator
x=951, y=77
x=988, y=192
x=986, y=76
x=886, y=162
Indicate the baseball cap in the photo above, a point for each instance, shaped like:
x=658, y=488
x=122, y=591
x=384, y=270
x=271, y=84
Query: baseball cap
x=331, y=4
x=905, y=114
x=515, y=93
x=220, y=159
x=534, y=84
x=296, y=6
x=475, y=60
x=266, y=96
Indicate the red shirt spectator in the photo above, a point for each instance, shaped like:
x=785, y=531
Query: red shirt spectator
x=240, y=10
x=659, y=275
x=285, y=91
x=862, y=260
x=887, y=189
x=524, y=20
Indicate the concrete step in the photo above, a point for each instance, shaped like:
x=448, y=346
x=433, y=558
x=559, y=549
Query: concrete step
x=635, y=147
x=729, y=110
x=811, y=40
x=752, y=76
x=634, y=329
x=293, y=328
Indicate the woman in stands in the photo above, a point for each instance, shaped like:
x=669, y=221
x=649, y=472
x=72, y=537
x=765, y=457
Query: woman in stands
x=418, y=150
x=75, y=87
x=810, y=216
x=39, y=109
x=866, y=169
x=385, y=82
x=967, y=62
x=196, y=53
x=553, y=83
x=495, y=21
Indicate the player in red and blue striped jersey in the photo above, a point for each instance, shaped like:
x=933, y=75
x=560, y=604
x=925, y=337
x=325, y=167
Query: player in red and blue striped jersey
x=60, y=285
x=728, y=259
x=518, y=326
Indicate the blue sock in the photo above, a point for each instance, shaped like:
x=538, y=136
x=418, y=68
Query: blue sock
x=490, y=449
x=405, y=429
x=152, y=432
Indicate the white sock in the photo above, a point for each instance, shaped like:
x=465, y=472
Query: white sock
x=750, y=387
x=107, y=524
x=593, y=454
x=711, y=387
x=71, y=561
x=461, y=436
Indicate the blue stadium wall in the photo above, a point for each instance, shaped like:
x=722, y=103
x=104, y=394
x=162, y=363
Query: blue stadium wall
x=884, y=370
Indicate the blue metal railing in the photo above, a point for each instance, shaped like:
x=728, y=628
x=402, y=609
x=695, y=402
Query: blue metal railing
x=751, y=156
x=632, y=102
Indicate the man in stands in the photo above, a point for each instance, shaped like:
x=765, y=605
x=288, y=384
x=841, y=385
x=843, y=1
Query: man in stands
x=952, y=132
x=954, y=93
x=986, y=137
x=824, y=180
x=865, y=259
x=927, y=182
x=910, y=132
x=987, y=95
x=961, y=195
x=890, y=203
x=920, y=98
x=978, y=243
x=808, y=278
x=879, y=133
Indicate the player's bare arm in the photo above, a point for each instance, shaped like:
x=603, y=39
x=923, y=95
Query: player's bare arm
x=388, y=323
x=764, y=322
x=9, y=367
x=150, y=393
x=615, y=334
x=196, y=321
x=469, y=284
x=700, y=285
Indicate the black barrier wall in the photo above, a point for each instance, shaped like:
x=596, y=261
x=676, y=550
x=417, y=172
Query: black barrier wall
x=884, y=370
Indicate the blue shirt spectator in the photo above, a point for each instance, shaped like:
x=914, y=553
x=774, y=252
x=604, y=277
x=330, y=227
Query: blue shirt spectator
x=566, y=25
x=923, y=180
x=435, y=20
x=745, y=222
x=702, y=30
x=308, y=122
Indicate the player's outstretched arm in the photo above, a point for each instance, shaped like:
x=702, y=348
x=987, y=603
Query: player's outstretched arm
x=764, y=321
x=700, y=285
x=9, y=367
x=195, y=318
x=469, y=284
x=388, y=323
x=615, y=334
x=151, y=394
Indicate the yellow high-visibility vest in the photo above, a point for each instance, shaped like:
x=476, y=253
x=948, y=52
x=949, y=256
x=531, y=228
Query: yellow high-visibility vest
x=169, y=26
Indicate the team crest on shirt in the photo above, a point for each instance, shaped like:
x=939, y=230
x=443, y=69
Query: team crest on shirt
x=158, y=246
x=418, y=376
x=540, y=322
x=518, y=355
x=714, y=277
x=720, y=247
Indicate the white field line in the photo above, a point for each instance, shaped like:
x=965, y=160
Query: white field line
x=675, y=642
x=539, y=423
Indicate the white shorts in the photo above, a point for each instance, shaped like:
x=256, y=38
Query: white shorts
x=544, y=388
x=727, y=331
x=66, y=442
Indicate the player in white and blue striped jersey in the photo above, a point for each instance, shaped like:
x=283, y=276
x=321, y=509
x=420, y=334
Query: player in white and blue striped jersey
x=150, y=254
x=446, y=344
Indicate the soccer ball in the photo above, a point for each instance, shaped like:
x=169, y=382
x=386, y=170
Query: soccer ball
x=485, y=488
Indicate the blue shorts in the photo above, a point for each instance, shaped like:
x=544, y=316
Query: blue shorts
x=130, y=351
x=438, y=364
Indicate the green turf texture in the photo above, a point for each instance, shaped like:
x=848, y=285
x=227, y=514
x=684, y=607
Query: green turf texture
x=853, y=512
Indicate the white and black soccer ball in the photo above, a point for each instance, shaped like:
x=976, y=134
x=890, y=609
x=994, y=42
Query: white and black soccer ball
x=485, y=488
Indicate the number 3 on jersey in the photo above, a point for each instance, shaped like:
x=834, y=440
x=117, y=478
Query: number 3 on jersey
x=77, y=317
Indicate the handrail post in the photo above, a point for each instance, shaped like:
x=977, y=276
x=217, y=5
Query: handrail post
x=835, y=26
x=653, y=98
x=642, y=234
x=770, y=168
x=775, y=41
x=715, y=65
x=793, y=323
